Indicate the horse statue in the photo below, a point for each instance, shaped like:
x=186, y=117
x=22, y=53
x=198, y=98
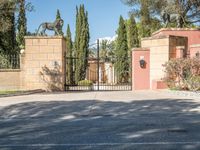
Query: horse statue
x=55, y=26
x=172, y=18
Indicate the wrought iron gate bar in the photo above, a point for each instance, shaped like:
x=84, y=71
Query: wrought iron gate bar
x=100, y=75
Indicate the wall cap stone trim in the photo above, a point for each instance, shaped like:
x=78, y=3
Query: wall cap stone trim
x=175, y=29
x=156, y=37
x=180, y=47
x=161, y=36
x=10, y=70
x=141, y=49
x=195, y=45
x=44, y=37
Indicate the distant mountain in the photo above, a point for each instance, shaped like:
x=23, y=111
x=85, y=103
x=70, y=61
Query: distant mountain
x=109, y=39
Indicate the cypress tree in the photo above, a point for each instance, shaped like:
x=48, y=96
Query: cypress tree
x=69, y=47
x=81, y=43
x=58, y=17
x=77, y=32
x=122, y=63
x=22, y=23
x=132, y=33
x=58, y=14
x=76, y=45
x=7, y=35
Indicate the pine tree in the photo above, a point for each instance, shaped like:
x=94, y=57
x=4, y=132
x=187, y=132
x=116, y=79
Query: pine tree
x=145, y=29
x=69, y=47
x=58, y=17
x=22, y=24
x=132, y=33
x=81, y=43
x=146, y=13
x=122, y=62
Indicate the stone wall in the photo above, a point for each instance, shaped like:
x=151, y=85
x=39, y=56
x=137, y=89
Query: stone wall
x=43, y=63
x=177, y=43
x=10, y=79
x=162, y=49
x=159, y=55
x=194, y=50
x=193, y=35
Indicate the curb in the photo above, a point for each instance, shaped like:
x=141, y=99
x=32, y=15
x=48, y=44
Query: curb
x=22, y=93
x=185, y=93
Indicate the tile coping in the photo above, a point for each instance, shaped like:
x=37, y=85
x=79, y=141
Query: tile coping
x=44, y=37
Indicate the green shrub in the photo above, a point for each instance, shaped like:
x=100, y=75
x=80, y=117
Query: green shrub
x=4, y=63
x=85, y=83
x=193, y=83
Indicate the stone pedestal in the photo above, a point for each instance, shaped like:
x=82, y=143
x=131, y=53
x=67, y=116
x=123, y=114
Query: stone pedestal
x=43, y=65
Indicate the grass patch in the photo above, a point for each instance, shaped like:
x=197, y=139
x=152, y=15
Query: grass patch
x=10, y=92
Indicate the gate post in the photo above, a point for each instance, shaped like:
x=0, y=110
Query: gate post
x=140, y=69
x=44, y=63
x=98, y=67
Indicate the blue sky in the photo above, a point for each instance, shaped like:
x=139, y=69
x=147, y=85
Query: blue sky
x=103, y=15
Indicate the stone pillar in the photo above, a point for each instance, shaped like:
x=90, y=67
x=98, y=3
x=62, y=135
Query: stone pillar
x=179, y=51
x=140, y=73
x=44, y=63
x=195, y=50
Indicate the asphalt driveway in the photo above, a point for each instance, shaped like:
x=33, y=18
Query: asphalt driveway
x=100, y=120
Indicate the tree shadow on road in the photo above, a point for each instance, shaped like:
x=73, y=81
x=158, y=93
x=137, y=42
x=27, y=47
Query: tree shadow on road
x=142, y=124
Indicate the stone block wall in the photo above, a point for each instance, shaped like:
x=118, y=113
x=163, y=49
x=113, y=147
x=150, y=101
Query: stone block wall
x=193, y=35
x=10, y=79
x=162, y=49
x=159, y=55
x=43, y=63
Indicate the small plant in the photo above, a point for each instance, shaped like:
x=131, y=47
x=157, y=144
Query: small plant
x=4, y=63
x=193, y=83
x=85, y=83
x=183, y=74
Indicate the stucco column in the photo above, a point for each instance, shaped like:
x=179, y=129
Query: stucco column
x=179, y=51
x=140, y=69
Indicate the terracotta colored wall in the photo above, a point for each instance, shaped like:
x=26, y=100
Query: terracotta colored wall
x=9, y=79
x=43, y=63
x=192, y=34
x=162, y=49
x=177, y=43
x=194, y=49
x=141, y=76
x=92, y=72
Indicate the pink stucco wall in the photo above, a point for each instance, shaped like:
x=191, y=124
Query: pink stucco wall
x=194, y=49
x=141, y=76
x=192, y=34
x=158, y=85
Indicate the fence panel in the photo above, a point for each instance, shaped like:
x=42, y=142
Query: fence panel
x=11, y=61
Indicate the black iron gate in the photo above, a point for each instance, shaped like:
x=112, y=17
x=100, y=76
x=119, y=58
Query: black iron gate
x=100, y=74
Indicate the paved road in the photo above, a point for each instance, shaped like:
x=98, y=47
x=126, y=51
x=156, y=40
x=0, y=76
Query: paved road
x=100, y=120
